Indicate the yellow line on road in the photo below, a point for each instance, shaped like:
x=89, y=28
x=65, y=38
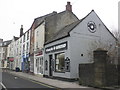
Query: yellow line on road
x=41, y=83
x=37, y=82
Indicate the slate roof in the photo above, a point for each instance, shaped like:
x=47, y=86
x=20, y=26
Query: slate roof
x=6, y=43
x=64, y=32
x=39, y=20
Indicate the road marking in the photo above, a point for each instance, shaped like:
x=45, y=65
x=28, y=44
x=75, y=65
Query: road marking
x=37, y=82
x=41, y=83
x=3, y=85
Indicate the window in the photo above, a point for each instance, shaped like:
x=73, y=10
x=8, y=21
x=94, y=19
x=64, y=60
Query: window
x=23, y=48
x=37, y=33
x=21, y=40
x=60, y=62
x=37, y=62
x=24, y=38
x=27, y=35
x=36, y=45
x=17, y=51
x=27, y=46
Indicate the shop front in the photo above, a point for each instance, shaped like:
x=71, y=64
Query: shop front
x=57, y=61
x=38, y=65
x=26, y=63
x=11, y=63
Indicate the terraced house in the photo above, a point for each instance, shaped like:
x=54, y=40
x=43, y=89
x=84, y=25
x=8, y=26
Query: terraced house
x=42, y=29
x=11, y=53
x=57, y=43
x=3, y=53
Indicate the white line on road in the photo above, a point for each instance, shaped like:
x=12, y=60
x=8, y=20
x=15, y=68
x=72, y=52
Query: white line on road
x=3, y=85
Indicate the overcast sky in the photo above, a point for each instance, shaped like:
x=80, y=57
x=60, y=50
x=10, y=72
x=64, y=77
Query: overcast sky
x=14, y=13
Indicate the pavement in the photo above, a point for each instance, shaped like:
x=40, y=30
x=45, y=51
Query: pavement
x=52, y=82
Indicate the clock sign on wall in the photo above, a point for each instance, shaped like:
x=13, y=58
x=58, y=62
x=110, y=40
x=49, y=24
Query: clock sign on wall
x=91, y=26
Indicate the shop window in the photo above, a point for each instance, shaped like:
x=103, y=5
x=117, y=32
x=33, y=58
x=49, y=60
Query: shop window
x=37, y=62
x=60, y=62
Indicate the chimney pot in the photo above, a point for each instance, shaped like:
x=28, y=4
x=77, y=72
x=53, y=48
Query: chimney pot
x=21, y=30
x=69, y=7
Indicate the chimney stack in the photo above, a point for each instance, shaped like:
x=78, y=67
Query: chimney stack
x=69, y=7
x=21, y=30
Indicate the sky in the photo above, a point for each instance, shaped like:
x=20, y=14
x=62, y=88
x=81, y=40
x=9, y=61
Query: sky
x=14, y=13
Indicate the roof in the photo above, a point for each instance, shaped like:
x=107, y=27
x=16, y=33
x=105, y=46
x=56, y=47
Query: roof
x=64, y=32
x=16, y=38
x=6, y=43
x=39, y=20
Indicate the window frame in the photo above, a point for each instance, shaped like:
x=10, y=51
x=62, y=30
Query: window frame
x=62, y=71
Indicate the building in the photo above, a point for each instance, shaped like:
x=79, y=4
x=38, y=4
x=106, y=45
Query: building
x=11, y=53
x=35, y=24
x=3, y=53
x=1, y=41
x=38, y=48
x=25, y=40
x=74, y=44
x=42, y=29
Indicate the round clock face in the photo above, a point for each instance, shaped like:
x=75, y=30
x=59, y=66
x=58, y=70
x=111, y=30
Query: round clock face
x=91, y=26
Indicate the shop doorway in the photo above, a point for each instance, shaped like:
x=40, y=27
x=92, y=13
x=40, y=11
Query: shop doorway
x=39, y=63
x=50, y=65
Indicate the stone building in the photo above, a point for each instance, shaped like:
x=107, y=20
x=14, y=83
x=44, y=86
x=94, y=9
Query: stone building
x=3, y=53
x=48, y=25
x=74, y=44
x=11, y=53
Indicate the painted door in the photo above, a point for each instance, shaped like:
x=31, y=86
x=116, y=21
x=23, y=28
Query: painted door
x=39, y=62
x=50, y=65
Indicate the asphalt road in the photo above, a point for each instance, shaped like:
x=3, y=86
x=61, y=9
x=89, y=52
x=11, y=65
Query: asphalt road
x=11, y=82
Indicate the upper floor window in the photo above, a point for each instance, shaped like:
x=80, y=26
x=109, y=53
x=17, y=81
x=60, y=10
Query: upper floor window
x=27, y=46
x=27, y=35
x=37, y=33
x=36, y=45
x=21, y=40
x=24, y=38
x=23, y=48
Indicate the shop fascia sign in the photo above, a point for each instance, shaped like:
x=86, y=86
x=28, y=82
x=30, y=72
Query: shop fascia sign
x=11, y=59
x=57, y=47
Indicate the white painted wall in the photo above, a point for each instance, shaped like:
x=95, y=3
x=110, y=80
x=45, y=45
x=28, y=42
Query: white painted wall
x=38, y=42
x=11, y=53
x=67, y=54
x=84, y=42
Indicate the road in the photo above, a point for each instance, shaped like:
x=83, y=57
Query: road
x=11, y=82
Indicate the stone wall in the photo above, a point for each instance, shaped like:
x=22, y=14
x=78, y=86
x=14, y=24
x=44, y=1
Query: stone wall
x=86, y=74
x=100, y=73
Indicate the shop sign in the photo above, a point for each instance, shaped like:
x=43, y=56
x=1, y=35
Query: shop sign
x=11, y=59
x=57, y=47
x=39, y=53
